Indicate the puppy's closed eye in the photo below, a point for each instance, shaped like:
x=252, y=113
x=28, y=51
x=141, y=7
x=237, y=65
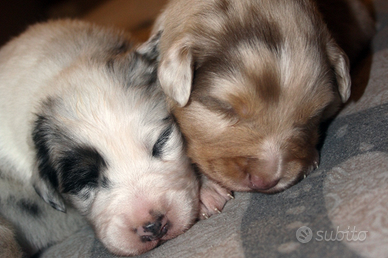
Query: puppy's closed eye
x=216, y=104
x=219, y=106
x=157, y=150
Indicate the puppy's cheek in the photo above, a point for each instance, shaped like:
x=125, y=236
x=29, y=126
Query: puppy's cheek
x=205, y=155
x=230, y=172
x=297, y=169
x=199, y=124
x=82, y=200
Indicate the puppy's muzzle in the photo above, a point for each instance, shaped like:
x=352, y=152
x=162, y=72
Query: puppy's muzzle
x=261, y=174
x=259, y=183
x=271, y=175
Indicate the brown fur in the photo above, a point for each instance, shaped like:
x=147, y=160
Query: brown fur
x=8, y=246
x=251, y=80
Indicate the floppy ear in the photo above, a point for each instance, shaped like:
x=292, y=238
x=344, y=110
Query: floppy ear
x=175, y=71
x=48, y=193
x=45, y=175
x=150, y=48
x=340, y=62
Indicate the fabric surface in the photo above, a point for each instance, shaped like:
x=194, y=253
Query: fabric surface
x=342, y=207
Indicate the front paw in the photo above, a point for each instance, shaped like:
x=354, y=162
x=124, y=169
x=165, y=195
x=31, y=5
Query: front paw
x=213, y=198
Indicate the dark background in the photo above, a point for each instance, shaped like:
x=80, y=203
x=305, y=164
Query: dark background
x=16, y=15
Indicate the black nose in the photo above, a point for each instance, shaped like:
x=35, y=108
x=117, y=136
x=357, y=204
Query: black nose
x=155, y=230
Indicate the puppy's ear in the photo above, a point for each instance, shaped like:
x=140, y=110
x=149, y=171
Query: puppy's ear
x=48, y=193
x=45, y=175
x=150, y=48
x=176, y=71
x=340, y=63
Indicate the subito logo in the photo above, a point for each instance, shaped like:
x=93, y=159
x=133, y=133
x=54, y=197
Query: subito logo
x=304, y=234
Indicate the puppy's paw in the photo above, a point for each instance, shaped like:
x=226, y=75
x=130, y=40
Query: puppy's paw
x=213, y=198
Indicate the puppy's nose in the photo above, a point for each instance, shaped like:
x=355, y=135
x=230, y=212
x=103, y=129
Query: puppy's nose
x=154, y=230
x=260, y=183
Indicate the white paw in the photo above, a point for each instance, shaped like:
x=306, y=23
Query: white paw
x=213, y=198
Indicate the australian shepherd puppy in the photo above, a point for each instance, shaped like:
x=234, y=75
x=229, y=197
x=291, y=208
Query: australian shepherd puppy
x=85, y=127
x=249, y=82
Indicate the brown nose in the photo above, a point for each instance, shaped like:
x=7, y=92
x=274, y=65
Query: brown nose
x=260, y=183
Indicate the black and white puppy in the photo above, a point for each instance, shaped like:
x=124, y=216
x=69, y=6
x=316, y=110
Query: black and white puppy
x=85, y=125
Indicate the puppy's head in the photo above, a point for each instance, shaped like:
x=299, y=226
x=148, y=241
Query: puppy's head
x=250, y=92
x=106, y=144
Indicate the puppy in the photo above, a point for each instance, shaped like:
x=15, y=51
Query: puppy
x=251, y=80
x=84, y=124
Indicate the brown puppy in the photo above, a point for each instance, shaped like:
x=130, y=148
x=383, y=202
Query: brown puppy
x=251, y=80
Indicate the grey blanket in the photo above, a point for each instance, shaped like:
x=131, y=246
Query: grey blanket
x=340, y=210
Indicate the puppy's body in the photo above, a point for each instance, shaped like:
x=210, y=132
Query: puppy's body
x=251, y=80
x=84, y=124
x=35, y=224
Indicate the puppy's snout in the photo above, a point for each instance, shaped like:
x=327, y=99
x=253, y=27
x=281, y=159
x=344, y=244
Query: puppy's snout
x=270, y=171
x=260, y=183
x=261, y=174
x=154, y=230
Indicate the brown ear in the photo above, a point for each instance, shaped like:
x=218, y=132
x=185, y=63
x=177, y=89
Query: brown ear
x=340, y=62
x=175, y=71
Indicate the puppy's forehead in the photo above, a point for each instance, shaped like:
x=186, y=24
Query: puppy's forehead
x=257, y=80
x=251, y=39
x=100, y=108
x=257, y=45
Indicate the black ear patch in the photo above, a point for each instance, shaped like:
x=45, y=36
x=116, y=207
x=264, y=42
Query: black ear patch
x=63, y=165
x=80, y=167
